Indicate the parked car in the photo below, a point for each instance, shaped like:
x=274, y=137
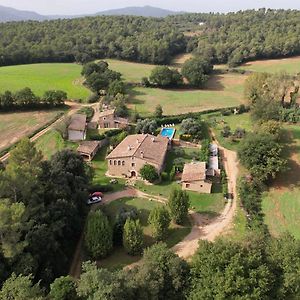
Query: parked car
x=94, y=199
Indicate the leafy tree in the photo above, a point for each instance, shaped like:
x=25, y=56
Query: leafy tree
x=149, y=173
x=163, y=76
x=179, y=204
x=63, y=288
x=225, y=270
x=21, y=173
x=97, y=283
x=262, y=155
x=146, y=126
x=11, y=226
x=204, y=151
x=54, y=97
x=159, y=219
x=196, y=71
x=20, y=288
x=162, y=275
x=192, y=127
x=158, y=113
x=116, y=87
x=98, y=236
x=25, y=97
x=133, y=237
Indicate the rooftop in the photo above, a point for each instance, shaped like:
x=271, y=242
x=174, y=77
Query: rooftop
x=88, y=147
x=78, y=122
x=145, y=146
x=194, y=171
x=213, y=163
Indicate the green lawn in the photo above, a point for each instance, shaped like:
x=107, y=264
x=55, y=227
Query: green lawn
x=42, y=77
x=218, y=122
x=119, y=258
x=131, y=72
x=289, y=65
x=281, y=205
x=52, y=142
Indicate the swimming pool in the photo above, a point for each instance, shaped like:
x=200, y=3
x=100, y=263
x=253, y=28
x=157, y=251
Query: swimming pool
x=168, y=132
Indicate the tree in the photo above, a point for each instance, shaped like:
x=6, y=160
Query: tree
x=146, y=126
x=163, y=76
x=192, y=127
x=196, y=71
x=20, y=288
x=226, y=270
x=116, y=87
x=149, y=173
x=98, y=283
x=161, y=275
x=204, y=151
x=25, y=97
x=55, y=97
x=22, y=171
x=179, y=204
x=158, y=113
x=98, y=236
x=262, y=155
x=11, y=227
x=133, y=237
x=63, y=288
x=159, y=219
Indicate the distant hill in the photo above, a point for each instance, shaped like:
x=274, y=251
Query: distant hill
x=145, y=11
x=10, y=14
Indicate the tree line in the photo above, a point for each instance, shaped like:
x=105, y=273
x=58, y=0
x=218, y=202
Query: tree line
x=243, y=36
x=131, y=38
x=26, y=99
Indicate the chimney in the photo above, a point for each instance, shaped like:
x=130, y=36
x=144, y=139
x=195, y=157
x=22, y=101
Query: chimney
x=142, y=154
x=129, y=148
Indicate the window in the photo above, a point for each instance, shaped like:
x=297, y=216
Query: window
x=115, y=162
x=133, y=164
x=201, y=185
x=119, y=163
x=110, y=162
x=123, y=163
x=187, y=185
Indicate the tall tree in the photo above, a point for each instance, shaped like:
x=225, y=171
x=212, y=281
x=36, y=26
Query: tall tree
x=133, y=237
x=179, y=204
x=159, y=219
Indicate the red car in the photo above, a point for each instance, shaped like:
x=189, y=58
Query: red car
x=97, y=194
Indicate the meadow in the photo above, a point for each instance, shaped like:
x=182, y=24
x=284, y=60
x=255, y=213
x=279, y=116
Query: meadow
x=289, y=65
x=14, y=126
x=43, y=77
x=281, y=204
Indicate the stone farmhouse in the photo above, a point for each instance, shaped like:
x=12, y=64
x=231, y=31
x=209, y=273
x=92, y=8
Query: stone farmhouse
x=134, y=152
x=108, y=119
x=194, y=178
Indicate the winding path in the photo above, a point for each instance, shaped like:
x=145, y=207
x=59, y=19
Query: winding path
x=201, y=230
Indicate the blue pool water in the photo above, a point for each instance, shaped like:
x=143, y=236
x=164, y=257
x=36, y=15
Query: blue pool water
x=168, y=132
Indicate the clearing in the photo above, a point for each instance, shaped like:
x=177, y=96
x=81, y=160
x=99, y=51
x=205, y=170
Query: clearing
x=281, y=204
x=290, y=65
x=43, y=77
x=14, y=126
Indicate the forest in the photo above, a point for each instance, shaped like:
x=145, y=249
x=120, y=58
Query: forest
x=233, y=38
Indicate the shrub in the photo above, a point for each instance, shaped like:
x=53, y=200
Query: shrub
x=149, y=173
x=133, y=237
x=98, y=235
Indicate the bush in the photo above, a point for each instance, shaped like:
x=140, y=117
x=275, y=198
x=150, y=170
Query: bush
x=149, y=173
x=133, y=237
x=98, y=235
x=172, y=173
x=159, y=219
x=93, y=98
x=63, y=288
x=179, y=204
x=192, y=127
x=163, y=76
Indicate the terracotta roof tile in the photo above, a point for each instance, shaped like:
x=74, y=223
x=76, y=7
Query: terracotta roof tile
x=78, y=122
x=194, y=171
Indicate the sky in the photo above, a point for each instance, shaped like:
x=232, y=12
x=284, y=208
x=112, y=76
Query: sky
x=65, y=7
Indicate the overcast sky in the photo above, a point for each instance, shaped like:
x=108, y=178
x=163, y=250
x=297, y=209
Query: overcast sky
x=91, y=6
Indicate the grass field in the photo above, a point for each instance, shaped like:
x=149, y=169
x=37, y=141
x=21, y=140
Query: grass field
x=281, y=205
x=220, y=91
x=14, y=126
x=289, y=65
x=42, y=77
x=218, y=122
x=119, y=257
x=52, y=142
